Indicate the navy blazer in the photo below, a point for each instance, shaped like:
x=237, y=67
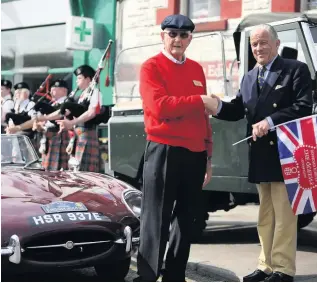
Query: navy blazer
x=286, y=95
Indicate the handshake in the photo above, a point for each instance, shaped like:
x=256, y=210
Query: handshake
x=211, y=103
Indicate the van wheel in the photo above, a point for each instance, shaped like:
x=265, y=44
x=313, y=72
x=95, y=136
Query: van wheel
x=305, y=219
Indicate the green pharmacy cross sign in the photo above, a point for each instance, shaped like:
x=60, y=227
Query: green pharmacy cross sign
x=79, y=33
x=82, y=31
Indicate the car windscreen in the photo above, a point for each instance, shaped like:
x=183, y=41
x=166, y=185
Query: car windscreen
x=17, y=150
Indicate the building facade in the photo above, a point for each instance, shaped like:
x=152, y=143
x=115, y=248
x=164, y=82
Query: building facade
x=138, y=26
x=34, y=37
x=33, y=40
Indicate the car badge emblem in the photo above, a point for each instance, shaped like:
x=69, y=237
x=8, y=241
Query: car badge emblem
x=69, y=245
x=63, y=206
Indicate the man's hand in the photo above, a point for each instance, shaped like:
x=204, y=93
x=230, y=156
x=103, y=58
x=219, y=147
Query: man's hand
x=208, y=174
x=70, y=147
x=260, y=129
x=214, y=96
x=64, y=124
x=38, y=126
x=12, y=130
x=42, y=118
x=67, y=112
x=211, y=103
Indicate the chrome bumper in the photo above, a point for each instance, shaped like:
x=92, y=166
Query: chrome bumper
x=129, y=240
x=14, y=250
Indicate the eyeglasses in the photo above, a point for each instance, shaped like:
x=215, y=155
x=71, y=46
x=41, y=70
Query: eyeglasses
x=174, y=34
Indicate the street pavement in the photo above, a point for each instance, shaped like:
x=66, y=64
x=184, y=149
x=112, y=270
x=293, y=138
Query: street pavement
x=230, y=247
x=227, y=251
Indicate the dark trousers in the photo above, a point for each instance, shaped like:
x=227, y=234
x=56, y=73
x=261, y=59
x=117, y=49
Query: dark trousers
x=172, y=184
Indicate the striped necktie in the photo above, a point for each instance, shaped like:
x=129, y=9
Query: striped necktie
x=261, y=78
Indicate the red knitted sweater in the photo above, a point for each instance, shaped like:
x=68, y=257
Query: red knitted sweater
x=174, y=112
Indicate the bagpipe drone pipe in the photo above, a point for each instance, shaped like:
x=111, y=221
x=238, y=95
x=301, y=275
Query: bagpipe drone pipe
x=77, y=110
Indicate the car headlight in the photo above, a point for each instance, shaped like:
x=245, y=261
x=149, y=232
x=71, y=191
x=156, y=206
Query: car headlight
x=132, y=199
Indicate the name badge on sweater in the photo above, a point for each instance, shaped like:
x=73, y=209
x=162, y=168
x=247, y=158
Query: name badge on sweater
x=197, y=83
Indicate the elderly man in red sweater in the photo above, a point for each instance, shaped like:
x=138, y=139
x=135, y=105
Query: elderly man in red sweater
x=177, y=161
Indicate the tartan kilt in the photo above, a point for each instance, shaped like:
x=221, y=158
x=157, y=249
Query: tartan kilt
x=56, y=156
x=87, y=149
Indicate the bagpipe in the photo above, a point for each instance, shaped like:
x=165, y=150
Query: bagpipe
x=41, y=101
x=76, y=109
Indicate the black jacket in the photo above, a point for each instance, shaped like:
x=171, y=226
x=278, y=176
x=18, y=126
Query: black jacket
x=285, y=96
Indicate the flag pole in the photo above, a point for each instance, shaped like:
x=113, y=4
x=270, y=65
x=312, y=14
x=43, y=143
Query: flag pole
x=273, y=128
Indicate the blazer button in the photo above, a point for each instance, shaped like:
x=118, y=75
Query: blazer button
x=271, y=142
x=274, y=105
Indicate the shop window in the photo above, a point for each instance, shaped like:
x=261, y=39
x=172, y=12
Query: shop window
x=30, y=54
x=203, y=10
x=40, y=46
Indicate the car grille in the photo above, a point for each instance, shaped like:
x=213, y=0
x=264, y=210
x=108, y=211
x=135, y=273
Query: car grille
x=91, y=243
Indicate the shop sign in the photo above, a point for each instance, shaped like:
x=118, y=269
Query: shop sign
x=79, y=33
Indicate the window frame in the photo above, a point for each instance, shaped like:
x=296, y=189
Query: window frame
x=203, y=20
x=207, y=24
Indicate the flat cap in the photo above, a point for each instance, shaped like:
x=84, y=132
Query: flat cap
x=178, y=21
x=6, y=83
x=85, y=70
x=21, y=85
x=59, y=83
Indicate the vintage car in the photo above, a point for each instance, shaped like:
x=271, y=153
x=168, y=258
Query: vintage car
x=64, y=218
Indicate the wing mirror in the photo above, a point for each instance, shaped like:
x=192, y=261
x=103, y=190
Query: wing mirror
x=73, y=164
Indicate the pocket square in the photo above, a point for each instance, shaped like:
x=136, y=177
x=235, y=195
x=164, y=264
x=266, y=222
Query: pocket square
x=278, y=86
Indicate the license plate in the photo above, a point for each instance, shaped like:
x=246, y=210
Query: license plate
x=67, y=217
x=63, y=206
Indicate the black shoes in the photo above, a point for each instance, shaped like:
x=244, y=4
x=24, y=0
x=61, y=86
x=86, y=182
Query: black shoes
x=257, y=276
x=279, y=277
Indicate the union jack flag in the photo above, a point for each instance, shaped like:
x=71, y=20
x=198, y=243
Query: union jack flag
x=297, y=145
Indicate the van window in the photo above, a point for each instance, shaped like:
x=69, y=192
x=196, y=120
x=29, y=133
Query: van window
x=289, y=38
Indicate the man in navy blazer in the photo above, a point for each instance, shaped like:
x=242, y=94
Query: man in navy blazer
x=275, y=91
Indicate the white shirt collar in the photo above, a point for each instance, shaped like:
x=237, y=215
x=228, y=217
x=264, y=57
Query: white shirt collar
x=169, y=56
x=24, y=102
x=7, y=97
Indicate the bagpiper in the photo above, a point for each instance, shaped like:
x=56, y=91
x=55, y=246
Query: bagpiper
x=23, y=110
x=86, y=147
x=7, y=104
x=53, y=143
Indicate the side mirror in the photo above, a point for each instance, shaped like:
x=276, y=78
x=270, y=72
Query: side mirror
x=73, y=164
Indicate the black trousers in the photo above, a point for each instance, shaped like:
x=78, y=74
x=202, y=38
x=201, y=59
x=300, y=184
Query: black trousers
x=172, y=184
